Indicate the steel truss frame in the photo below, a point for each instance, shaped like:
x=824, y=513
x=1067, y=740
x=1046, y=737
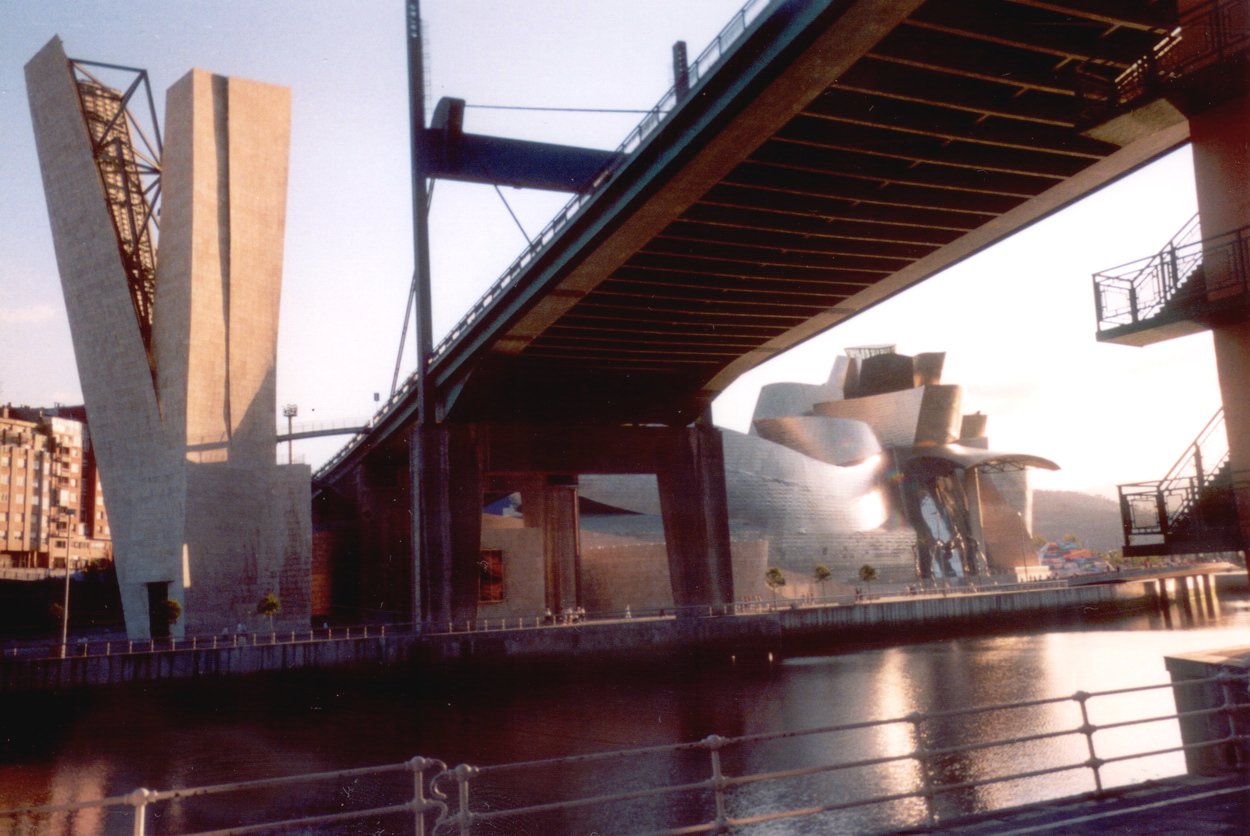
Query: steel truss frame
x=130, y=176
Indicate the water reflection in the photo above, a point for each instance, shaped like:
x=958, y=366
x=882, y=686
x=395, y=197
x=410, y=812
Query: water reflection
x=67, y=748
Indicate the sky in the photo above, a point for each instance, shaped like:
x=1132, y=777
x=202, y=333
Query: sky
x=1016, y=320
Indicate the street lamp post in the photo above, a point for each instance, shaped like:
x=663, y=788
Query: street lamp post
x=290, y=411
x=65, y=605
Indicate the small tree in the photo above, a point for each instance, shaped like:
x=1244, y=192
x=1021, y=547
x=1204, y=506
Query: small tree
x=775, y=578
x=821, y=574
x=868, y=574
x=170, y=610
x=269, y=606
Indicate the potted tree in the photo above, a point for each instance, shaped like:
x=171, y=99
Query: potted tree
x=821, y=574
x=775, y=578
x=868, y=574
x=269, y=606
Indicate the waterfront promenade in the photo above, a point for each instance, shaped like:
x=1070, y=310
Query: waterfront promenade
x=755, y=628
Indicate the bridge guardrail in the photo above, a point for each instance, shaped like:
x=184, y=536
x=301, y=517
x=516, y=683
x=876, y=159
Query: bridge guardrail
x=712, y=785
x=697, y=70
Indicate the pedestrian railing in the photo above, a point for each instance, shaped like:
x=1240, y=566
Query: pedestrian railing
x=909, y=771
x=80, y=648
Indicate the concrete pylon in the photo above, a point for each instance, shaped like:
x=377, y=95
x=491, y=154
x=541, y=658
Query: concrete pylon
x=184, y=434
x=1221, y=150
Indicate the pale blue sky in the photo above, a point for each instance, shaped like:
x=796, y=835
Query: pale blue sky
x=1017, y=320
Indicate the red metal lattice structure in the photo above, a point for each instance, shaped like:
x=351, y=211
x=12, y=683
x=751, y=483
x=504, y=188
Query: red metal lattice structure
x=129, y=177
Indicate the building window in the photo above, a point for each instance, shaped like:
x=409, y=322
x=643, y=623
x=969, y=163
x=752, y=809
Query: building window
x=490, y=576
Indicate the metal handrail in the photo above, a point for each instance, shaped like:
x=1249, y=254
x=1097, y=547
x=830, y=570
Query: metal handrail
x=696, y=72
x=441, y=799
x=47, y=650
x=1141, y=288
x=1206, y=455
x=1156, y=509
x=1204, y=35
x=1170, y=281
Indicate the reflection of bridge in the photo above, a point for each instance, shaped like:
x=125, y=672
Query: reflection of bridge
x=822, y=157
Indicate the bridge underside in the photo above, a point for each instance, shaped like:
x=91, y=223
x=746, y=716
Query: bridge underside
x=843, y=153
x=840, y=153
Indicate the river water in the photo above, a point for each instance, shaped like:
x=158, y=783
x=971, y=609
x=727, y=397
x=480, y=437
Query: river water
x=75, y=747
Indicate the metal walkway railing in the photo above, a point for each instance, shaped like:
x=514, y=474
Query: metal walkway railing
x=707, y=786
x=1196, y=502
x=84, y=647
x=1138, y=291
x=1204, y=35
x=1200, y=280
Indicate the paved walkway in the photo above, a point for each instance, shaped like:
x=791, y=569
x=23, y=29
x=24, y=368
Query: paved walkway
x=1177, y=806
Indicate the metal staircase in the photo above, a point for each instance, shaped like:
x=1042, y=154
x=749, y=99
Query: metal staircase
x=1191, y=510
x=1191, y=285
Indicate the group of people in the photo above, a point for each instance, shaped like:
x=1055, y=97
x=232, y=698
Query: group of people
x=568, y=615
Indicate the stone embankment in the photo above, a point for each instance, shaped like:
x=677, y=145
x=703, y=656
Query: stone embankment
x=639, y=638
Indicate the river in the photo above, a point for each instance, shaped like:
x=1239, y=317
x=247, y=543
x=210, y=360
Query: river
x=72, y=747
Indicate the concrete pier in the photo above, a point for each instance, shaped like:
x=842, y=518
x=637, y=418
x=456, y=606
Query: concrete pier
x=1226, y=702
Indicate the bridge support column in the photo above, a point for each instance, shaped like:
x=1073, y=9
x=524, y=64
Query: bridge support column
x=552, y=507
x=1221, y=148
x=1204, y=730
x=690, y=469
x=447, y=521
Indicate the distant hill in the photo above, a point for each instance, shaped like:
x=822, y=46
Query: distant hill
x=1094, y=519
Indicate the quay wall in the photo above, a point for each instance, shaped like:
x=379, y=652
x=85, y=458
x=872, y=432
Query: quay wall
x=641, y=638
x=148, y=666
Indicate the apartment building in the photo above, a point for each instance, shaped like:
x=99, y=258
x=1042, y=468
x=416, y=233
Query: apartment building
x=52, y=511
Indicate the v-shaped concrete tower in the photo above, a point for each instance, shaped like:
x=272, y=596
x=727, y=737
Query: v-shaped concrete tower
x=176, y=343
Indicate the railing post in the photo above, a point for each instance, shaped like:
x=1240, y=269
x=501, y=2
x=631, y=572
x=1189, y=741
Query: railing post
x=139, y=800
x=1161, y=509
x=1087, y=728
x=714, y=743
x=420, y=804
x=921, y=754
x=463, y=817
x=1173, y=280
x=1198, y=467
